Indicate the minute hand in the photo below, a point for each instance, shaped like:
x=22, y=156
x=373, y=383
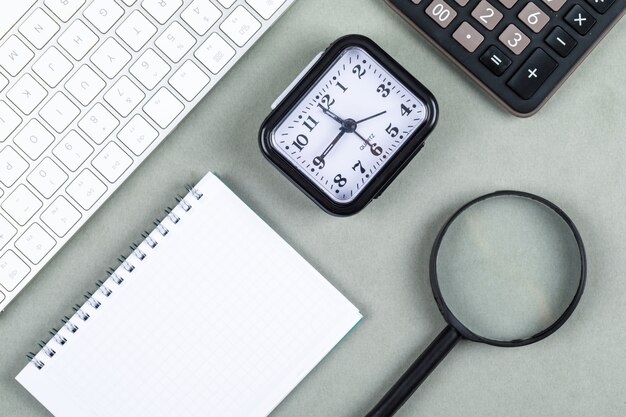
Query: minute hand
x=320, y=160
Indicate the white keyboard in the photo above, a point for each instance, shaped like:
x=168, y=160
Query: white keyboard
x=88, y=89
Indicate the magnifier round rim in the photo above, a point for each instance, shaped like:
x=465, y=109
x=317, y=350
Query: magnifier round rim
x=457, y=324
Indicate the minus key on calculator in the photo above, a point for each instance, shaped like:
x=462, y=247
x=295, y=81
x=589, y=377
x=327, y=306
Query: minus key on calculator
x=519, y=51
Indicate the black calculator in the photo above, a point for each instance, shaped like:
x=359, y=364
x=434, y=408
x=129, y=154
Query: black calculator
x=519, y=51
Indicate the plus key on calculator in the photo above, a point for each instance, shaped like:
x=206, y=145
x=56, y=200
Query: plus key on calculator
x=519, y=51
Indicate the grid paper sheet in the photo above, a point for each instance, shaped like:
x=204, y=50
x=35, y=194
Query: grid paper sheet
x=221, y=319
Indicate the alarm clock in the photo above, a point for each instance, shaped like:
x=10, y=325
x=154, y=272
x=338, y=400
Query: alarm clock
x=348, y=125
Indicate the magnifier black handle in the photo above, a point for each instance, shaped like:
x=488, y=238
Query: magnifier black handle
x=416, y=374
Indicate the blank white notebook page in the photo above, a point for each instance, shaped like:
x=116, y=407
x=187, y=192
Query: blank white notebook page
x=222, y=318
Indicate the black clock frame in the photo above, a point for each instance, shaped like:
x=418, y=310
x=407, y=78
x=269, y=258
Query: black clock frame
x=399, y=160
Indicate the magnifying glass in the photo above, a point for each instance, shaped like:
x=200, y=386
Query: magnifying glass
x=508, y=269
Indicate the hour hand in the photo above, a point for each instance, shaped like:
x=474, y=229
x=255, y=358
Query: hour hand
x=332, y=115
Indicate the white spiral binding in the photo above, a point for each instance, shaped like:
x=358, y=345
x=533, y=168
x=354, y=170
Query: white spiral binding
x=106, y=289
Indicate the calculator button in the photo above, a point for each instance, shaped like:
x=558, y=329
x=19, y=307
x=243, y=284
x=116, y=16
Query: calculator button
x=508, y=3
x=561, y=41
x=580, y=19
x=533, y=17
x=495, y=60
x=514, y=39
x=532, y=74
x=601, y=6
x=468, y=37
x=441, y=13
x=487, y=15
x=555, y=4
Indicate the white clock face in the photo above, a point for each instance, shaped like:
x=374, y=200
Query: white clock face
x=349, y=125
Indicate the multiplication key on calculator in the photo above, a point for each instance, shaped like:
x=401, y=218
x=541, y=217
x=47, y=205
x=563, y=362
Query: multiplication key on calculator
x=519, y=51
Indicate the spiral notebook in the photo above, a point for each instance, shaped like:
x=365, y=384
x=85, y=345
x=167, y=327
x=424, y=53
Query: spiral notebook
x=212, y=315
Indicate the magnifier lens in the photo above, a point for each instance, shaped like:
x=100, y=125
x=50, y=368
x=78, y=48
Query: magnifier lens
x=508, y=267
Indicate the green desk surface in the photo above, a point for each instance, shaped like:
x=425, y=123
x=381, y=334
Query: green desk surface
x=573, y=152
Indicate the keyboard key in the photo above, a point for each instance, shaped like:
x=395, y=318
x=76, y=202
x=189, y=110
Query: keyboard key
x=136, y=31
x=52, y=67
x=12, y=166
x=59, y=112
x=201, y=15
x=98, y=124
x=39, y=28
x=163, y=108
x=487, y=15
x=12, y=270
x=64, y=9
x=35, y=243
x=27, y=94
x=78, y=40
x=175, y=42
x=9, y=121
x=21, y=205
x=138, y=135
x=508, y=3
x=7, y=231
x=495, y=60
x=226, y=3
x=162, y=10
x=47, y=178
x=34, y=139
x=601, y=6
x=468, y=37
x=14, y=55
x=441, y=12
x=561, y=41
x=73, y=151
x=555, y=4
x=532, y=74
x=86, y=189
x=85, y=85
x=514, y=39
x=103, y=14
x=189, y=80
x=533, y=17
x=112, y=162
x=215, y=53
x=110, y=58
x=124, y=96
x=266, y=8
x=129, y=2
x=150, y=69
x=580, y=19
x=61, y=216
x=3, y=82
x=241, y=26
